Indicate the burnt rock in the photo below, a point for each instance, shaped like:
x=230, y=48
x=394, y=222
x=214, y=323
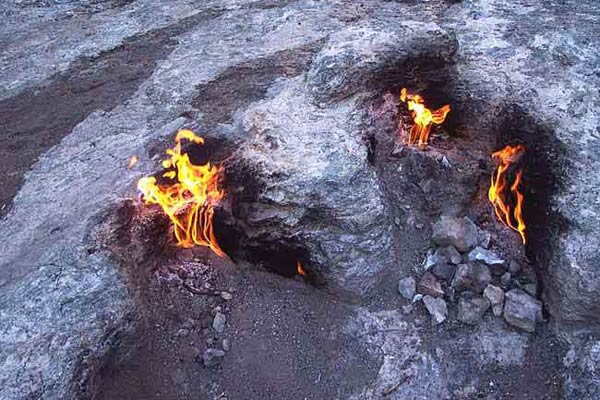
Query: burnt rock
x=360, y=57
x=485, y=256
x=407, y=287
x=472, y=276
x=471, y=308
x=212, y=357
x=458, y=232
x=495, y=295
x=521, y=310
x=429, y=285
x=437, y=308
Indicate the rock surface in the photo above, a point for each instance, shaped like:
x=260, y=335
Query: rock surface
x=472, y=276
x=471, y=308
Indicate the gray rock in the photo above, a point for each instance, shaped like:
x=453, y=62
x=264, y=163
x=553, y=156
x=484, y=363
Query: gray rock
x=437, y=308
x=213, y=357
x=474, y=277
x=442, y=255
x=226, y=345
x=219, y=322
x=407, y=309
x=514, y=268
x=359, y=57
x=453, y=256
x=429, y=284
x=495, y=295
x=530, y=288
x=407, y=287
x=458, y=232
x=484, y=255
x=444, y=271
x=226, y=296
x=418, y=297
x=521, y=310
x=471, y=308
x=505, y=280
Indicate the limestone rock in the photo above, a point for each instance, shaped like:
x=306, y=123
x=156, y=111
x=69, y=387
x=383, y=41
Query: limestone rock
x=521, y=310
x=473, y=277
x=407, y=287
x=458, y=232
x=437, y=308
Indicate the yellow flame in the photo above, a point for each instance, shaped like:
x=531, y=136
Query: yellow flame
x=190, y=198
x=423, y=117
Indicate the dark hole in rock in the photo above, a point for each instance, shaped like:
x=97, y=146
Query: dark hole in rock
x=544, y=163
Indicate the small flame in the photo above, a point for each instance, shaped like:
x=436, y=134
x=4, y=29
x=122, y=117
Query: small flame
x=513, y=218
x=189, y=199
x=299, y=268
x=132, y=161
x=423, y=117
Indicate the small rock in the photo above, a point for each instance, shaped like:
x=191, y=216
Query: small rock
x=505, y=280
x=183, y=332
x=498, y=269
x=188, y=324
x=443, y=255
x=407, y=309
x=486, y=256
x=418, y=297
x=226, y=296
x=458, y=232
x=226, y=345
x=437, y=308
x=219, y=322
x=445, y=162
x=514, y=267
x=444, y=271
x=521, y=310
x=213, y=357
x=495, y=295
x=407, y=287
x=473, y=277
x=451, y=253
x=484, y=239
x=530, y=288
x=430, y=285
x=471, y=308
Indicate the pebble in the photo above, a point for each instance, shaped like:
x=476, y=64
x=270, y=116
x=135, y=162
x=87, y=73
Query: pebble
x=213, y=357
x=407, y=309
x=219, y=322
x=418, y=297
x=495, y=295
x=514, y=267
x=437, y=308
x=407, y=287
x=226, y=296
x=226, y=345
x=505, y=279
x=444, y=271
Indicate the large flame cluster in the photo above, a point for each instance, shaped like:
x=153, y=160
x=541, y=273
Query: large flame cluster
x=189, y=195
x=423, y=117
x=502, y=193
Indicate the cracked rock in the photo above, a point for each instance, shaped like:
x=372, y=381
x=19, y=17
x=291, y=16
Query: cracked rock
x=458, y=232
x=521, y=310
x=437, y=308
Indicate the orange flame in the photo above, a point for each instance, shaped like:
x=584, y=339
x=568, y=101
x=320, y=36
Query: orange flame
x=132, y=161
x=423, y=117
x=299, y=268
x=497, y=193
x=189, y=198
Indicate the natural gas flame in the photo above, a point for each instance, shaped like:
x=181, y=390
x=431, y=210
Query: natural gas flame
x=299, y=268
x=132, y=161
x=188, y=197
x=499, y=190
x=423, y=117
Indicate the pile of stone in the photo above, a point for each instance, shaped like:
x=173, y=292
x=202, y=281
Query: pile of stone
x=461, y=270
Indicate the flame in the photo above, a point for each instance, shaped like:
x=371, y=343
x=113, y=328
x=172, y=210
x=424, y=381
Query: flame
x=189, y=197
x=422, y=116
x=132, y=161
x=299, y=268
x=497, y=193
